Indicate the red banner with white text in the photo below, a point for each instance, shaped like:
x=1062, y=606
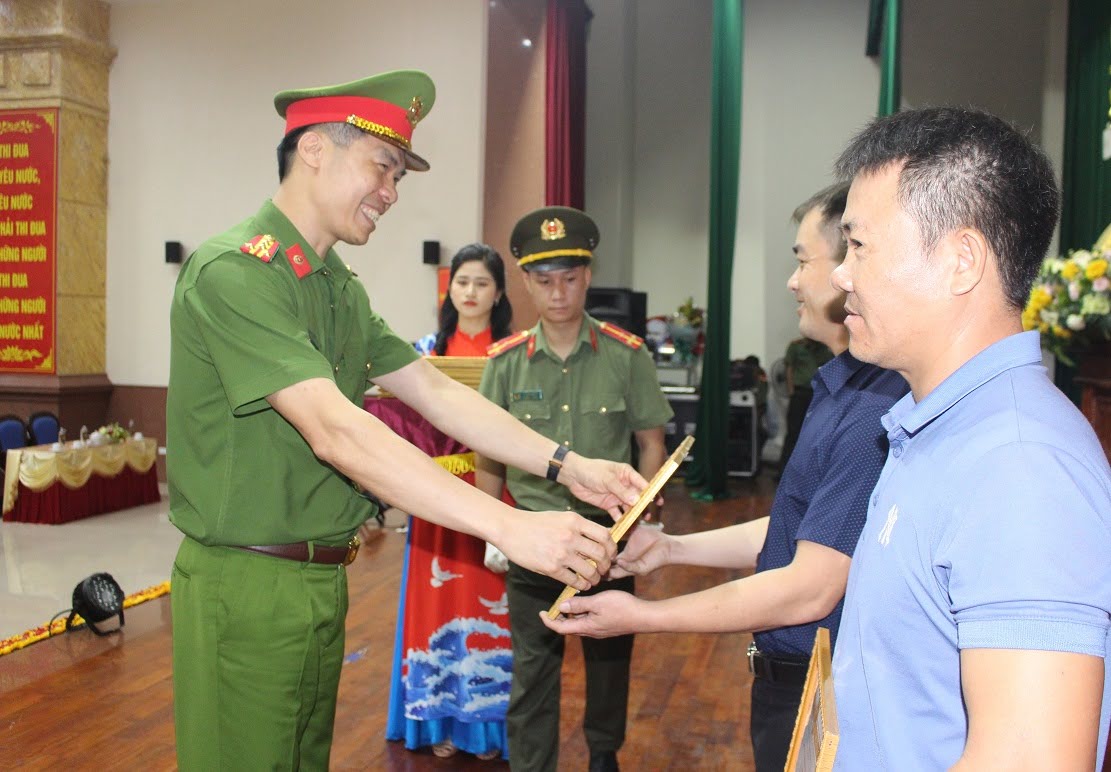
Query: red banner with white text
x=28, y=239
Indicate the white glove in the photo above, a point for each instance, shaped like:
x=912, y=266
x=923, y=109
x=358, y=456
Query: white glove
x=495, y=559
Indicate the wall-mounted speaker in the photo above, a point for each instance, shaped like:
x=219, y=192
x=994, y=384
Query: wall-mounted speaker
x=431, y=253
x=175, y=253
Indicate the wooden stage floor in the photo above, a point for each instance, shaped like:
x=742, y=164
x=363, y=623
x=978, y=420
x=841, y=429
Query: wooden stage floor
x=81, y=702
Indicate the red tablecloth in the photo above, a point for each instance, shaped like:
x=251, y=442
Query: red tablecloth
x=104, y=489
x=59, y=504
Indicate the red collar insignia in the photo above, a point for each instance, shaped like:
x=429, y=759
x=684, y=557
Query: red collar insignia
x=297, y=259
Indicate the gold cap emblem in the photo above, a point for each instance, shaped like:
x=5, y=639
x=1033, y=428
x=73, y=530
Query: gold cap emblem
x=416, y=107
x=552, y=229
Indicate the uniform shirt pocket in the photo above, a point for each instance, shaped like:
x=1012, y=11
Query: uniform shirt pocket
x=531, y=413
x=606, y=416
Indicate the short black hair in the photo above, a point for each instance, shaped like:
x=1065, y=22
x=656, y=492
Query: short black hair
x=967, y=168
x=830, y=203
x=343, y=134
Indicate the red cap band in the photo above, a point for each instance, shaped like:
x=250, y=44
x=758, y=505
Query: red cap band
x=371, y=115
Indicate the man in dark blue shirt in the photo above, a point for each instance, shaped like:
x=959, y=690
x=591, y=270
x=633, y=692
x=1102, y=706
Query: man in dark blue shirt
x=802, y=550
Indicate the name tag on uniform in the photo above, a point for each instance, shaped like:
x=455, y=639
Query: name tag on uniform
x=517, y=396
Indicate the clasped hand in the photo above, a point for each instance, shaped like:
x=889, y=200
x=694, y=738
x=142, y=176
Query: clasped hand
x=614, y=612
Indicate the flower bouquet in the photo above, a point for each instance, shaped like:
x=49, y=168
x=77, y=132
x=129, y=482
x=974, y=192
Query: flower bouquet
x=685, y=328
x=109, y=434
x=1070, y=303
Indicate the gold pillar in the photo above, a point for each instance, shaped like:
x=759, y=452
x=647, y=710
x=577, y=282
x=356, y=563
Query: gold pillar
x=56, y=53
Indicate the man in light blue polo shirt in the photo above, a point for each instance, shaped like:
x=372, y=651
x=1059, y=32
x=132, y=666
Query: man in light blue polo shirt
x=801, y=552
x=976, y=618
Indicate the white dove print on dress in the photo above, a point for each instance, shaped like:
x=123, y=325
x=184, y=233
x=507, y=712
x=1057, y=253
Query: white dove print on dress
x=439, y=576
x=499, y=606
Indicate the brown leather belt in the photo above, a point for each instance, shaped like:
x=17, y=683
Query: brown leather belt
x=299, y=551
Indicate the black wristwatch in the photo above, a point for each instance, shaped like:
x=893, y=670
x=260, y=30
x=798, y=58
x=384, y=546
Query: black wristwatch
x=555, y=463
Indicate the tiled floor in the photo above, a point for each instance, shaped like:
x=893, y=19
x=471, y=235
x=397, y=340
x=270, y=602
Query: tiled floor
x=40, y=564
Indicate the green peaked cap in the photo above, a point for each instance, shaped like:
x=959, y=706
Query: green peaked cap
x=553, y=238
x=388, y=106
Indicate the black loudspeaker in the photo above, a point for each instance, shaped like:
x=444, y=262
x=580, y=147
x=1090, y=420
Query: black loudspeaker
x=619, y=306
x=431, y=253
x=174, y=252
x=96, y=598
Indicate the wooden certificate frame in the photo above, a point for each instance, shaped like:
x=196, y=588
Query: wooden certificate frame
x=814, y=741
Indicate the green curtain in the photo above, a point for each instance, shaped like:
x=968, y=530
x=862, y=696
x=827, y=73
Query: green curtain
x=875, y=28
x=1086, y=176
x=709, y=472
x=883, y=41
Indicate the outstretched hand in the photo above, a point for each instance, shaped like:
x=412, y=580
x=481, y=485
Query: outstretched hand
x=562, y=545
x=646, y=550
x=607, y=485
x=604, y=615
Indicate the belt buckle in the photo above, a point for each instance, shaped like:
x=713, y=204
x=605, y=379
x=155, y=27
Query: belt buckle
x=752, y=651
x=352, y=550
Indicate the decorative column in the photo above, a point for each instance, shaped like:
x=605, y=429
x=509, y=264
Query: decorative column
x=54, y=61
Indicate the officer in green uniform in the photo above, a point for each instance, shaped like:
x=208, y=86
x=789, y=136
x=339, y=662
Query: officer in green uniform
x=803, y=358
x=591, y=387
x=273, y=344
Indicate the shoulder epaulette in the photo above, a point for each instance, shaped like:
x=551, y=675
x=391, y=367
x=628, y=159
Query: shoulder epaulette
x=505, y=344
x=626, y=337
x=264, y=247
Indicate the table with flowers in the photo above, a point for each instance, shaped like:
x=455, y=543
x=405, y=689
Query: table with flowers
x=69, y=481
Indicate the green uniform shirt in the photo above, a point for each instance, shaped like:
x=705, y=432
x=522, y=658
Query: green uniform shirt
x=241, y=328
x=591, y=402
x=805, y=356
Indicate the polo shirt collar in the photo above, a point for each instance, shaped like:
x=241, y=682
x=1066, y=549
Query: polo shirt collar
x=835, y=373
x=1018, y=350
x=588, y=336
x=273, y=221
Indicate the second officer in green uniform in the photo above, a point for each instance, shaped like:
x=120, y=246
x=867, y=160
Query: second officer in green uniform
x=590, y=386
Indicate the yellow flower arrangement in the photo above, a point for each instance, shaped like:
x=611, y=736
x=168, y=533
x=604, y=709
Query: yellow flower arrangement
x=1070, y=303
x=112, y=433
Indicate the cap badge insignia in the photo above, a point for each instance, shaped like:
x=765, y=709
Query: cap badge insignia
x=553, y=229
x=416, y=107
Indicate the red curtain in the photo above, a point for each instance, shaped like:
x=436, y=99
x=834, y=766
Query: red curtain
x=565, y=102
